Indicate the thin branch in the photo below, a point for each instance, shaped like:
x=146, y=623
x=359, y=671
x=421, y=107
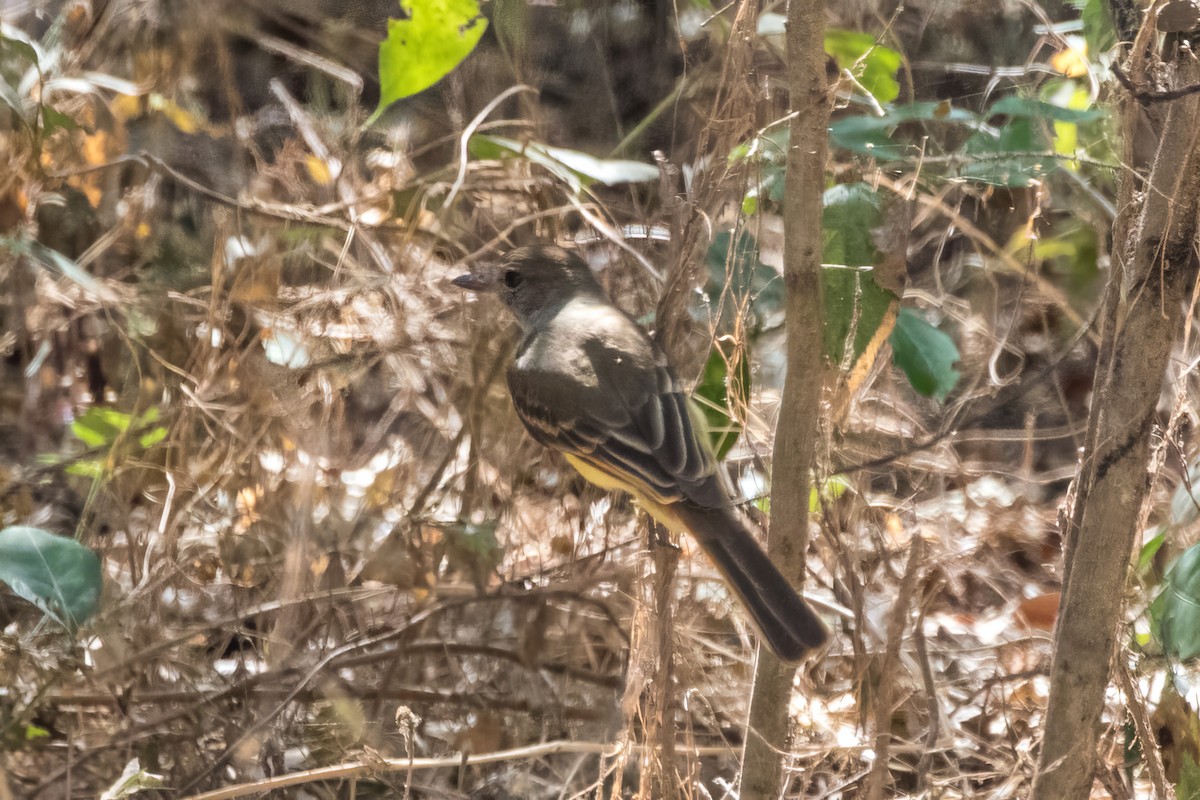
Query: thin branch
x=1147, y=96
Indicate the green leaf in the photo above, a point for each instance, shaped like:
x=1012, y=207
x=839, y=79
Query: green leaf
x=1024, y=107
x=153, y=437
x=1098, y=28
x=473, y=548
x=1071, y=254
x=35, y=732
x=1150, y=550
x=768, y=148
x=854, y=302
x=767, y=154
x=873, y=136
x=91, y=468
x=1175, y=613
x=10, y=98
x=53, y=120
x=874, y=65
x=1023, y=150
x=738, y=275
x=825, y=493
x=21, y=49
x=1071, y=95
x=99, y=426
x=718, y=391
x=925, y=354
x=850, y=214
x=1015, y=156
x=574, y=168
x=8, y=93
x=423, y=48
x=57, y=574
x=1188, y=787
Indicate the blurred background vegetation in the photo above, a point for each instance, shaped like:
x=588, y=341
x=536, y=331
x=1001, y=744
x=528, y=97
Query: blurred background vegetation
x=265, y=506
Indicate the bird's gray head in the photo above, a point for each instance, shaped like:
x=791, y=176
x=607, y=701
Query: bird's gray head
x=532, y=280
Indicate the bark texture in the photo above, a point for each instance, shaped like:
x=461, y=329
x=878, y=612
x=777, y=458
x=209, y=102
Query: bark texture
x=796, y=435
x=1154, y=268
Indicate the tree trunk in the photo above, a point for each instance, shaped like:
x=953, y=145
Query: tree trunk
x=1154, y=261
x=795, y=437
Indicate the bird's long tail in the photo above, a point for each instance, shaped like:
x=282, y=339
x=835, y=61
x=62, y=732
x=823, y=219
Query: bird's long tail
x=784, y=619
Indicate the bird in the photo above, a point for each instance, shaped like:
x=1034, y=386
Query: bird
x=589, y=382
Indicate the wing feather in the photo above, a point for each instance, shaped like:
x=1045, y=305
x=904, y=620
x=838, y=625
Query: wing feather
x=616, y=404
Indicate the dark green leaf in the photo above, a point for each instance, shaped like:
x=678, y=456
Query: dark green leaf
x=1014, y=106
x=925, y=354
x=53, y=120
x=1098, y=29
x=57, y=574
x=851, y=213
x=738, y=276
x=855, y=305
x=1016, y=156
x=423, y=48
x=870, y=136
x=1021, y=151
x=1175, y=613
x=718, y=391
x=873, y=136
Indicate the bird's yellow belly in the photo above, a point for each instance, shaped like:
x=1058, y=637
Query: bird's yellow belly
x=606, y=480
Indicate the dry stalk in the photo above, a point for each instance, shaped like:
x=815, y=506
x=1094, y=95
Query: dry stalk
x=886, y=683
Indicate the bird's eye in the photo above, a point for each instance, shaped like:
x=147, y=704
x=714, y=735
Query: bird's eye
x=512, y=279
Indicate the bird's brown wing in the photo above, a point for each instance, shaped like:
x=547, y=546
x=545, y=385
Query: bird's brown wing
x=625, y=417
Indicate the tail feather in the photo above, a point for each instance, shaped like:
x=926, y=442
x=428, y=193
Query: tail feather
x=785, y=620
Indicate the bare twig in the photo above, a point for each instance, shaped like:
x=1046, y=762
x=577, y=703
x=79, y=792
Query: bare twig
x=885, y=689
x=1145, y=733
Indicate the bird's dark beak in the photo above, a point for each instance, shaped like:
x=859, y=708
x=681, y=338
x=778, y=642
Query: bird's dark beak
x=473, y=282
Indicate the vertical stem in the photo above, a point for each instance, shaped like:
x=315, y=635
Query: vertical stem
x=796, y=436
x=1143, y=318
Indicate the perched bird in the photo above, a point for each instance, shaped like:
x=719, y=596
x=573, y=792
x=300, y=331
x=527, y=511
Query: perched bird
x=588, y=382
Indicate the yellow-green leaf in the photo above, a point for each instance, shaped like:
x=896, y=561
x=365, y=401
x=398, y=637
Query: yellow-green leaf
x=427, y=45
